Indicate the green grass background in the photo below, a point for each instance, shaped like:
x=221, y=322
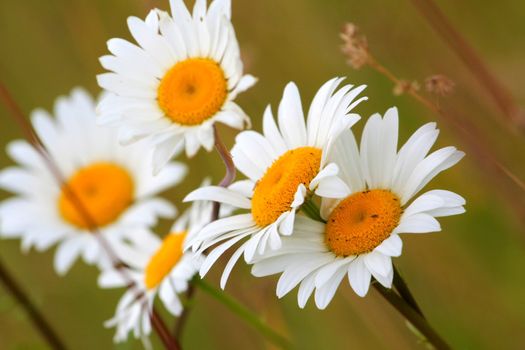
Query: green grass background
x=469, y=278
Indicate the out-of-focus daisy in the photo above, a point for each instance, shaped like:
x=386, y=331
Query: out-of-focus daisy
x=284, y=165
x=365, y=216
x=155, y=266
x=114, y=183
x=181, y=78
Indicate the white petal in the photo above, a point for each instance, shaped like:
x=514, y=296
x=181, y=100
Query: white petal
x=219, y=194
x=418, y=223
x=428, y=168
x=325, y=294
x=359, y=277
x=66, y=255
x=377, y=263
x=392, y=246
x=291, y=117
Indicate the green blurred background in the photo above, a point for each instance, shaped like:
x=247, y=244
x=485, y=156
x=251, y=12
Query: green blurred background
x=469, y=279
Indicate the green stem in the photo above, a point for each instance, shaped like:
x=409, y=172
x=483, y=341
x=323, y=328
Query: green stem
x=405, y=292
x=311, y=210
x=413, y=317
x=254, y=320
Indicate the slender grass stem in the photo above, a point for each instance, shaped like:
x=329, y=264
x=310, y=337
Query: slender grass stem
x=240, y=310
x=37, y=318
x=473, y=139
x=473, y=62
x=412, y=316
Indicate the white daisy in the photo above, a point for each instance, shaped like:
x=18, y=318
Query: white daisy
x=114, y=183
x=283, y=165
x=365, y=215
x=181, y=78
x=155, y=267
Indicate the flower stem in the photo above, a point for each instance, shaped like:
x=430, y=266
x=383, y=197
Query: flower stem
x=183, y=318
x=226, y=181
x=170, y=343
x=405, y=293
x=37, y=318
x=228, y=178
x=412, y=316
x=311, y=210
x=244, y=313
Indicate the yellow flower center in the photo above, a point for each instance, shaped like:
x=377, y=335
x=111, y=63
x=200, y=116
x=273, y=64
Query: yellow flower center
x=164, y=259
x=192, y=91
x=105, y=191
x=274, y=192
x=362, y=221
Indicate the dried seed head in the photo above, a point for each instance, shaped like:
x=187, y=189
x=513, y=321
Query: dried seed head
x=439, y=84
x=355, y=46
x=404, y=86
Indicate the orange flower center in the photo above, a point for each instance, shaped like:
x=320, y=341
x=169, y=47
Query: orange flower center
x=275, y=191
x=192, y=91
x=105, y=191
x=362, y=221
x=164, y=259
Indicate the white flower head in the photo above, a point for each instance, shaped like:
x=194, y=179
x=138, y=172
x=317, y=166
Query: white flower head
x=155, y=267
x=284, y=165
x=114, y=184
x=181, y=78
x=365, y=213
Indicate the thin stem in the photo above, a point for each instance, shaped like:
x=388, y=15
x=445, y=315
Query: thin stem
x=472, y=138
x=412, y=316
x=37, y=318
x=32, y=138
x=227, y=180
x=183, y=318
x=501, y=96
x=169, y=342
x=311, y=210
x=244, y=313
x=405, y=293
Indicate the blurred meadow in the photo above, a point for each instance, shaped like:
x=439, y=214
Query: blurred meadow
x=469, y=279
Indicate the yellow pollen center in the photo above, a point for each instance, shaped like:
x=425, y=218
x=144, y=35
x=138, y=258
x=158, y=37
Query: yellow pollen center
x=192, y=91
x=164, y=259
x=362, y=221
x=274, y=192
x=105, y=191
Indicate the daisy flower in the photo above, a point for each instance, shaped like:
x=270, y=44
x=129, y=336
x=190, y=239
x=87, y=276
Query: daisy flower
x=114, y=183
x=181, y=78
x=283, y=166
x=364, y=216
x=156, y=267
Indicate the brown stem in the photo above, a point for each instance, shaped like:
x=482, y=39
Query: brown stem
x=37, y=318
x=169, y=342
x=183, y=318
x=228, y=164
x=225, y=182
x=501, y=96
x=412, y=316
x=31, y=137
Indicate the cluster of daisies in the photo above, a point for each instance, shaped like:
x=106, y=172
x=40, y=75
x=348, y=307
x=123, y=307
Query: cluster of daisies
x=314, y=206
